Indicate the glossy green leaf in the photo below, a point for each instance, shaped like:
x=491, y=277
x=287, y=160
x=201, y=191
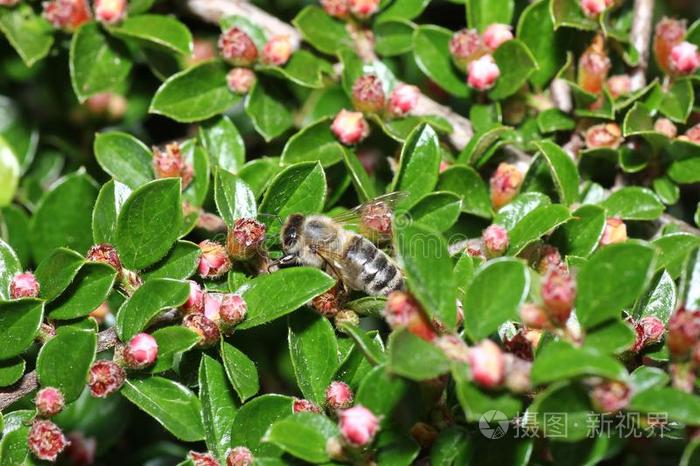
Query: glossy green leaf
x=511, y=214
x=553, y=119
x=465, y=182
x=159, y=30
x=11, y=370
x=28, y=33
x=107, y=207
x=88, y=290
x=480, y=144
x=678, y=405
x=438, y=210
x=9, y=267
x=9, y=173
x=57, y=271
x=321, y=31
x=516, y=64
x=419, y=165
x=482, y=13
x=580, y=235
x=304, y=436
x=19, y=324
x=431, y=51
x=561, y=361
x=536, y=30
x=570, y=405
x=241, y=371
x=234, y=199
x=382, y=393
x=677, y=102
x=218, y=406
x=659, y=300
x=172, y=341
x=364, y=187
x=402, y=9
x=180, y=263
x=269, y=115
x=563, y=170
x=674, y=249
x=124, y=157
x=536, y=224
x=364, y=342
x=612, y=337
x=253, y=420
x=476, y=402
x=313, y=143
x=633, y=203
x=64, y=361
x=224, y=143
x=304, y=69
x=393, y=37
x=414, y=358
x=568, y=13
x=14, y=446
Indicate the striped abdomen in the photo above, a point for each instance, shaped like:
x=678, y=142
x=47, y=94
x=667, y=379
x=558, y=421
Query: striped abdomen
x=373, y=270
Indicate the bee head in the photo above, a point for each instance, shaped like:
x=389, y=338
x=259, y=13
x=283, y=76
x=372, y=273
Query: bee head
x=290, y=232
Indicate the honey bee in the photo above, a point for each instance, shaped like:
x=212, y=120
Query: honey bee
x=322, y=241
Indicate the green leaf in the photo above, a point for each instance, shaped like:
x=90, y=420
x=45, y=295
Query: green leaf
x=321, y=31
x=74, y=197
x=645, y=377
x=382, y=393
x=269, y=115
x=19, y=323
x=438, y=210
x=563, y=169
x=313, y=143
x=253, y=420
x=611, y=280
x=511, y=214
x=107, y=207
x=402, y=9
x=11, y=370
x=633, y=203
x=314, y=352
x=194, y=94
x=180, y=263
x=568, y=406
x=659, y=300
x=218, y=405
x=679, y=406
x=482, y=13
x=553, y=119
x=9, y=173
x=159, y=30
x=364, y=342
x=124, y=158
x=516, y=64
x=364, y=186
x=465, y=182
x=14, y=446
x=172, y=341
x=568, y=13
x=224, y=143
x=674, y=249
x=393, y=37
x=149, y=223
x=303, y=68
x=86, y=293
x=450, y=448
x=536, y=224
x=559, y=360
x=494, y=296
x=9, y=267
x=57, y=271
x=580, y=235
x=685, y=171
x=271, y=296
x=677, y=102
x=480, y=144
x=241, y=371
x=432, y=54
x=234, y=199
x=614, y=336
x=476, y=402
x=29, y=34
x=64, y=361
x=536, y=31
x=428, y=271
x=419, y=165
x=98, y=63
x=147, y=302
x=173, y=405
x=414, y=358
x=303, y=435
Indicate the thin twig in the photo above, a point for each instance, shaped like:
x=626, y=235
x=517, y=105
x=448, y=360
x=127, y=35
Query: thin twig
x=640, y=35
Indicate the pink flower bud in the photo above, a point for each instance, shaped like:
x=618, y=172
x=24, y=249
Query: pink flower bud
x=517, y=378
x=368, y=94
x=277, y=50
x=240, y=80
x=483, y=73
x=669, y=32
x=49, y=402
x=683, y=332
x=169, y=163
x=214, y=261
x=202, y=50
x=8, y=2
x=487, y=364
x=496, y=34
x=212, y=306
x=610, y=396
x=110, y=11
x=107, y=104
x=682, y=376
x=454, y=347
x=653, y=329
x=358, y=425
x=305, y=406
x=363, y=9
x=81, y=450
x=465, y=46
x=350, y=127
x=106, y=254
x=692, y=134
x=495, y=240
x=207, y=330
x=593, y=66
x=619, y=85
x=203, y=459
x=665, y=127
x=615, y=231
x=505, y=184
x=141, y=351
x=336, y=8
x=550, y=258
x=66, y=14
x=240, y=456
x=46, y=440
x=327, y=304
x=245, y=238
x=105, y=378
x=338, y=396
x=403, y=311
x=685, y=58
x=24, y=285
x=233, y=309
x=403, y=99
x=237, y=47
x=604, y=135
x=593, y=8
x=558, y=293
x=195, y=300
x=534, y=316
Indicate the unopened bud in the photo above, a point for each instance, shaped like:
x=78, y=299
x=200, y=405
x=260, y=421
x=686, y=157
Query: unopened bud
x=403, y=99
x=403, y=311
x=107, y=104
x=495, y=240
x=619, y=85
x=615, y=231
x=305, y=406
x=106, y=254
x=245, y=238
x=496, y=34
x=487, y=364
x=358, y=425
x=46, y=440
x=549, y=258
x=24, y=285
x=233, y=310
x=237, y=47
x=207, y=330
x=685, y=58
x=277, y=50
x=692, y=134
x=593, y=67
x=593, y=8
x=66, y=14
x=130, y=281
x=338, y=396
x=212, y=306
x=363, y=9
x=49, y=402
x=519, y=344
x=558, y=293
x=169, y=163
x=336, y=8
x=517, y=377
x=202, y=50
x=214, y=261
x=482, y=73
x=534, y=316
x=475, y=248
x=350, y=127
x=604, y=135
x=346, y=317
x=652, y=328
x=454, y=347
x=195, y=300
x=368, y=94
x=465, y=45
x=105, y=378
x=327, y=303
x=665, y=127
x=81, y=450
x=505, y=184
x=682, y=376
x=239, y=456
x=610, y=396
x=240, y=80
x=683, y=332
x=110, y=11
x=668, y=33
x=203, y=459
x=141, y=351
x=8, y=2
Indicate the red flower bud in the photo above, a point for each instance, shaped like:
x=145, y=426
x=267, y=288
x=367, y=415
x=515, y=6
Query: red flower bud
x=107, y=104
x=665, y=127
x=465, y=46
x=368, y=94
x=240, y=456
x=363, y=9
x=487, y=364
x=237, y=47
x=517, y=378
x=505, y=184
x=305, y=406
x=49, y=402
x=403, y=311
x=685, y=58
x=169, y=163
x=81, y=450
x=482, y=73
x=683, y=332
x=692, y=134
x=610, y=396
x=653, y=329
x=110, y=11
x=593, y=8
x=350, y=127
x=358, y=425
x=8, y=2
x=233, y=309
x=519, y=344
x=534, y=316
x=106, y=254
x=46, y=440
x=24, y=285
x=105, y=378
x=195, y=300
x=496, y=34
x=454, y=347
x=336, y=8
x=550, y=258
x=327, y=304
x=240, y=80
x=669, y=32
x=604, y=135
x=277, y=50
x=403, y=99
x=202, y=50
x=141, y=351
x=338, y=396
x=66, y=14
x=593, y=67
x=495, y=240
x=207, y=330
x=619, y=85
x=203, y=459
x=615, y=231
x=245, y=238
x=558, y=293
x=214, y=261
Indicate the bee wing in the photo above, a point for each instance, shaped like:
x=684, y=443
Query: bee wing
x=365, y=214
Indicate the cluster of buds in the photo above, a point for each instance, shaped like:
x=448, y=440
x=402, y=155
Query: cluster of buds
x=169, y=163
x=239, y=456
x=471, y=52
x=668, y=34
x=593, y=66
x=519, y=344
x=225, y=309
x=105, y=377
x=403, y=99
x=301, y=405
x=683, y=333
x=495, y=240
x=213, y=261
x=692, y=134
x=404, y=311
x=202, y=50
x=237, y=47
x=368, y=97
x=24, y=285
x=593, y=8
x=350, y=127
x=610, y=396
x=195, y=300
x=245, y=238
x=342, y=9
x=346, y=317
x=604, y=135
x=505, y=184
x=517, y=373
x=338, y=396
x=140, y=352
x=454, y=347
x=67, y=15
x=46, y=440
x=203, y=459
x=49, y=402
x=482, y=73
x=615, y=231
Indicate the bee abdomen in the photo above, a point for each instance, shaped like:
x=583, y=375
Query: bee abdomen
x=377, y=274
